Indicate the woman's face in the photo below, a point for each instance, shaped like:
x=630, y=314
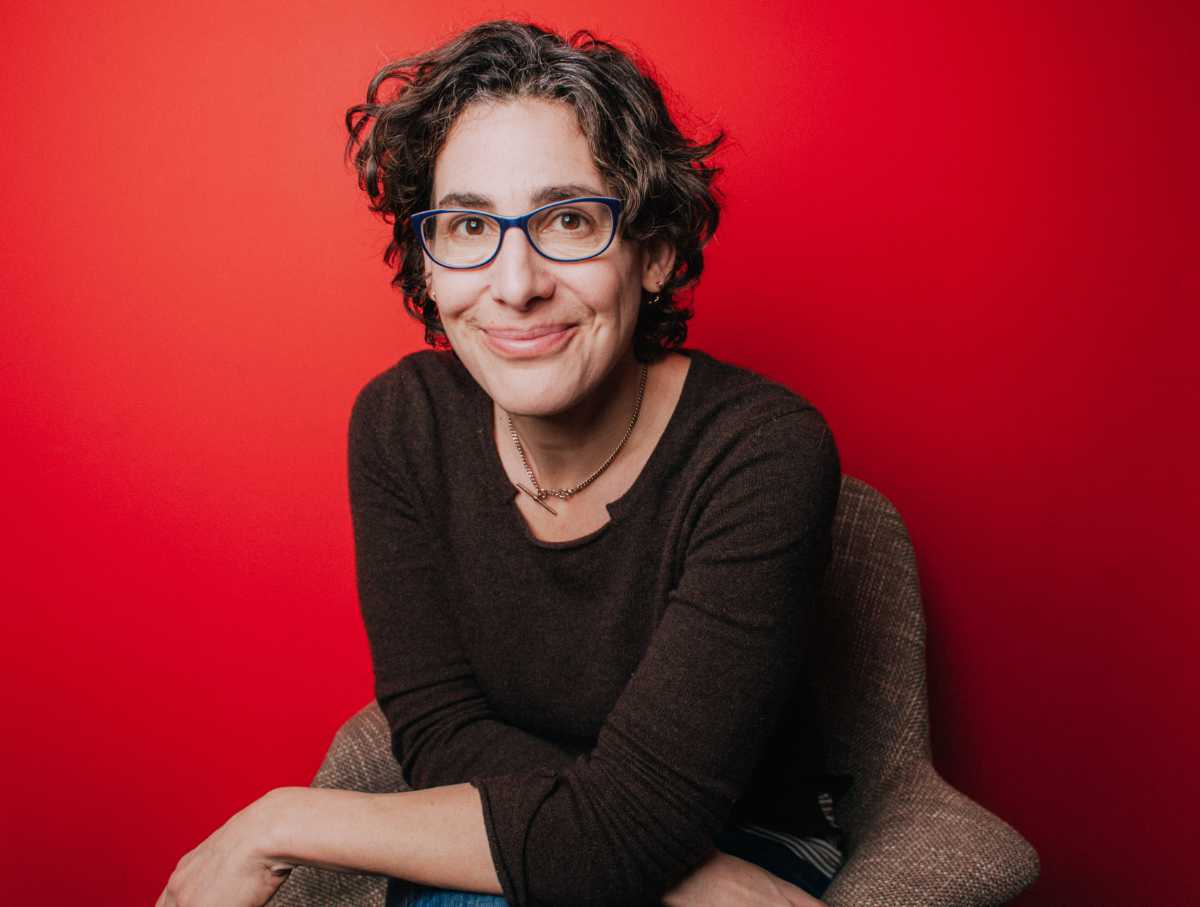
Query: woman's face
x=510, y=158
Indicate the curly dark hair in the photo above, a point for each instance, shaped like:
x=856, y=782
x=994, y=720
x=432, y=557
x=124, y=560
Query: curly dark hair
x=662, y=176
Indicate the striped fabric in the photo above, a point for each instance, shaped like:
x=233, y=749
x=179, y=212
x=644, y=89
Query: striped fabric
x=825, y=801
x=809, y=862
x=821, y=852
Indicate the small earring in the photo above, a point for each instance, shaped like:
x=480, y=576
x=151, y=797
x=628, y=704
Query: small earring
x=654, y=301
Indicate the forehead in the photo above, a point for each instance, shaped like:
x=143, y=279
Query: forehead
x=508, y=152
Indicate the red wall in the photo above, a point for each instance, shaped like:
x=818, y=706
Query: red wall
x=960, y=229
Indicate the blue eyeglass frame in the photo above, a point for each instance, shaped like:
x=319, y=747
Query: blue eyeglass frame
x=615, y=205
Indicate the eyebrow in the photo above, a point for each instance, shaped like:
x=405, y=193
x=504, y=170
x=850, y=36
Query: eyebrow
x=542, y=196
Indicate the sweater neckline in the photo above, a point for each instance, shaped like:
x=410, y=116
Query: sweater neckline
x=503, y=493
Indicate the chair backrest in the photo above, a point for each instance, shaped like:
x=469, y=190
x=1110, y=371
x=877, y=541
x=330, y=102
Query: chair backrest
x=867, y=664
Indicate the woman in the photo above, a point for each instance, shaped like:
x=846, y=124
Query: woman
x=586, y=556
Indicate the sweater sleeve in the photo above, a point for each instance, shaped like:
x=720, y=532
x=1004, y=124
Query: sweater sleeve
x=443, y=730
x=624, y=823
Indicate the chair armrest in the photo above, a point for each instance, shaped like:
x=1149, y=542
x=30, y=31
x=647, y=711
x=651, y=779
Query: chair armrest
x=359, y=758
x=926, y=844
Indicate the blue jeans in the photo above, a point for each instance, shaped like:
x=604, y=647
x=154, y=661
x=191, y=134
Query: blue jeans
x=806, y=865
x=406, y=894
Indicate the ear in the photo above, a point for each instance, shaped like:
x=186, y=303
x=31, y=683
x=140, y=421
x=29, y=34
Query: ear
x=428, y=277
x=658, y=263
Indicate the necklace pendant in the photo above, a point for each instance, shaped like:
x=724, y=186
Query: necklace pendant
x=536, y=498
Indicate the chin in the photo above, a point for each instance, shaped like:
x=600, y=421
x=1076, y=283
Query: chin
x=524, y=399
x=532, y=389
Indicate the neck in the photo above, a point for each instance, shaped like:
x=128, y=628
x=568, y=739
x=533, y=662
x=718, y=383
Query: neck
x=564, y=448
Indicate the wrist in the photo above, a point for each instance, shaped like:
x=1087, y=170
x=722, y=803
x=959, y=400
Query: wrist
x=271, y=820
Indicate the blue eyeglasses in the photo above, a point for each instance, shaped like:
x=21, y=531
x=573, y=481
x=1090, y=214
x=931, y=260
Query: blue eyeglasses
x=572, y=230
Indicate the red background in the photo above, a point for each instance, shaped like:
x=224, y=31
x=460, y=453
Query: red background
x=959, y=229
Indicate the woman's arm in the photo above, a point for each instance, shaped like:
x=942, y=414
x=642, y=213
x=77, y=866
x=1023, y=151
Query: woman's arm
x=436, y=837
x=432, y=837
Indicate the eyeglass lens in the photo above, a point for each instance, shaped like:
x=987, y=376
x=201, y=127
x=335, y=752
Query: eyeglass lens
x=569, y=231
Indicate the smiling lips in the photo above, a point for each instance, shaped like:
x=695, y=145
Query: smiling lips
x=522, y=344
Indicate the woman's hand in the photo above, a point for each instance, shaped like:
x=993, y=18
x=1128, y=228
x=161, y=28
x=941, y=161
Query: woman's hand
x=229, y=868
x=728, y=881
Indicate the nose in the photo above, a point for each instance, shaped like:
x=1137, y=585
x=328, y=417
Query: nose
x=518, y=275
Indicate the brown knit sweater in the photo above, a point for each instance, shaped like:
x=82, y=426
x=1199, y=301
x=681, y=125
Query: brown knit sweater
x=619, y=698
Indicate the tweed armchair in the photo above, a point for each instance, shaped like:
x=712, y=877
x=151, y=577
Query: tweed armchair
x=912, y=840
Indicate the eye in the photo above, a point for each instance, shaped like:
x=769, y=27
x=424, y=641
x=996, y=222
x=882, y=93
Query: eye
x=469, y=226
x=571, y=220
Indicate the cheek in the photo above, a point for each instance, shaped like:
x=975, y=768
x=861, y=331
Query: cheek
x=611, y=292
x=626, y=294
x=454, y=293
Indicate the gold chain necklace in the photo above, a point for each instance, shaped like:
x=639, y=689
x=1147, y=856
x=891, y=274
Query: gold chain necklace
x=564, y=493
